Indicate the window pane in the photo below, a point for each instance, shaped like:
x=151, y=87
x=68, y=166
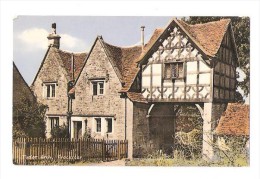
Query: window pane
x=53, y=90
x=101, y=87
x=98, y=124
x=54, y=122
x=180, y=70
x=175, y=70
x=94, y=88
x=167, y=71
x=109, y=125
x=48, y=91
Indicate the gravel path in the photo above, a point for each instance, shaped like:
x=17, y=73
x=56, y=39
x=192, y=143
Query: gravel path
x=112, y=163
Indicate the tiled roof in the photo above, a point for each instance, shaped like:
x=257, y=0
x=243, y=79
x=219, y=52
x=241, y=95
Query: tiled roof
x=208, y=35
x=153, y=39
x=234, y=121
x=125, y=60
x=136, y=97
x=21, y=90
x=79, y=59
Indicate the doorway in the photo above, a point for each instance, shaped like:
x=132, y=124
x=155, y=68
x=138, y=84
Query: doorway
x=77, y=129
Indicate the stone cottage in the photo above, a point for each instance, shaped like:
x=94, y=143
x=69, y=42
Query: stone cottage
x=135, y=92
x=50, y=84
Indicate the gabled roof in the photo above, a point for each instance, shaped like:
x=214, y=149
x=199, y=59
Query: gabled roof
x=122, y=59
x=125, y=59
x=205, y=37
x=65, y=61
x=234, y=121
x=208, y=35
x=20, y=87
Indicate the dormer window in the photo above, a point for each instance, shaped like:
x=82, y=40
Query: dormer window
x=174, y=71
x=98, y=88
x=49, y=90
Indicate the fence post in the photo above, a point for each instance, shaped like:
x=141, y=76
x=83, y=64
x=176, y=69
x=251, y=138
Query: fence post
x=118, y=150
x=103, y=150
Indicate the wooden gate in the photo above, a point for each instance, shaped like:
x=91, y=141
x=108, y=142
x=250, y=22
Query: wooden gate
x=115, y=150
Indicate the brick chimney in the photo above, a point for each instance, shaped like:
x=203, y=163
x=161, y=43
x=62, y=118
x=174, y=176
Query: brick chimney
x=54, y=39
x=142, y=36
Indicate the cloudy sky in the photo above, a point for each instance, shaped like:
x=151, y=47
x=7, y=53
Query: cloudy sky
x=77, y=34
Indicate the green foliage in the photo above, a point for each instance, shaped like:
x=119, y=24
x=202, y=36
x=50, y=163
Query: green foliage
x=87, y=134
x=60, y=132
x=241, y=29
x=28, y=118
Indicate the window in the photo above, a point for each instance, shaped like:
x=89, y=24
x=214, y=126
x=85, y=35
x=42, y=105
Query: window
x=98, y=87
x=50, y=90
x=109, y=125
x=98, y=124
x=54, y=121
x=174, y=71
x=103, y=125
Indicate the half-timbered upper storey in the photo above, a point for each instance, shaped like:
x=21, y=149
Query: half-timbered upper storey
x=189, y=63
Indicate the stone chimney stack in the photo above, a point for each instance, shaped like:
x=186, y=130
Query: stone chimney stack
x=54, y=39
x=142, y=36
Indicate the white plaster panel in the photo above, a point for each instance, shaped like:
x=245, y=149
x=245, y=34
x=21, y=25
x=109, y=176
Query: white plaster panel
x=168, y=91
x=147, y=70
x=179, y=82
x=157, y=94
x=203, y=93
x=146, y=81
x=165, y=42
x=157, y=69
x=191, y=79
x=145, y=93
x=194, y=52
x=204, y=78
x=199, y=57
x=156, y=80
x=191, y=66
x=167, y=83
x=184, y=53
x=185, y=40
x=179, y=93
x=203, y=66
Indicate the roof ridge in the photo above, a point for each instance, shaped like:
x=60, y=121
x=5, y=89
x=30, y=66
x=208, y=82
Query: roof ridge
x=205, y=23
x=121, y=47
x=66, y=51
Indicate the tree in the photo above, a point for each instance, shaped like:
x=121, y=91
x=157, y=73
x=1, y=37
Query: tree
x=28, y=118
x=241, y=28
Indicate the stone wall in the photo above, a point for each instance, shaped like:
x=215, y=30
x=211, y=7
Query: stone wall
x=98, y=66
x=141, y=139
x=52, y=71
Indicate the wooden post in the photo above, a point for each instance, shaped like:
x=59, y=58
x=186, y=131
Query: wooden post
x=103, y=150
x=118, y=150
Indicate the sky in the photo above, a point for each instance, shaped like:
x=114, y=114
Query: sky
x=77, y=35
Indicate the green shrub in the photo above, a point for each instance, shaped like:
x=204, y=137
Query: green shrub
x=60, y=132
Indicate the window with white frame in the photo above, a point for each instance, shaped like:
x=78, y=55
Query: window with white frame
x=49, y=90
x=54, y=121
x=98, y=87
x=103, y=125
